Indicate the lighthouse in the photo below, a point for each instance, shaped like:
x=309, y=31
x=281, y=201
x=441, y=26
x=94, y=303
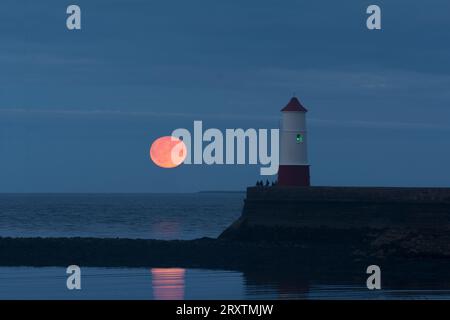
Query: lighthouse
x=294, y=166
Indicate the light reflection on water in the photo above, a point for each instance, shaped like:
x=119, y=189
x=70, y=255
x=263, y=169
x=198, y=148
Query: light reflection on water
x=179, y=284
x=168, y=284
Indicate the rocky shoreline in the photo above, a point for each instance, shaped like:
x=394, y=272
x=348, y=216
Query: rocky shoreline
x=200, y=253
x=407, y=259
x=313, y=245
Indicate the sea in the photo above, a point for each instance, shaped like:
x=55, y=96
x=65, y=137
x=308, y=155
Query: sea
x=155, y=216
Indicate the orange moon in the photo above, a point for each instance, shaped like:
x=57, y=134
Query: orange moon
x=168, y=152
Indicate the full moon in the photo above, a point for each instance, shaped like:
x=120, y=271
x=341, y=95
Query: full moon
x=168, y=152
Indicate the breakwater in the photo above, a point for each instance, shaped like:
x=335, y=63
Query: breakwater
x=279, y=212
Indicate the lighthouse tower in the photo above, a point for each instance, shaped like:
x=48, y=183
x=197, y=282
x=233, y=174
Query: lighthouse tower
x=294, y=167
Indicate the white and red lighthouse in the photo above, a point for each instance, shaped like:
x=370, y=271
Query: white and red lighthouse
x=294, y=166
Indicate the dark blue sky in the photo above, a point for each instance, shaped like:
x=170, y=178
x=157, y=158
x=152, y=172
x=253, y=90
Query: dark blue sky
x=79, y=110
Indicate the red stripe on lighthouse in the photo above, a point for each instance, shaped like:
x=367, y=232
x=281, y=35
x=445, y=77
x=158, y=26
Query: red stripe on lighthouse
x=294, y=176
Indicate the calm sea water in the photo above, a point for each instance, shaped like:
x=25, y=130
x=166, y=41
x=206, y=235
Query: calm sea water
x=147, y=216
x=179, y=284
x=157, y=216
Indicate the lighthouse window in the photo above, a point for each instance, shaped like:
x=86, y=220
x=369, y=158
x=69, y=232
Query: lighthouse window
x=300, y=138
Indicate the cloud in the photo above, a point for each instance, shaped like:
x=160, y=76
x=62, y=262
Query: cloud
x=122, y=113
x=355, y=80
x=379, y=125
x=319, y=122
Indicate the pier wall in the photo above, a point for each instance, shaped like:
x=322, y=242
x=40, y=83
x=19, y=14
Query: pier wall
x=343, y=208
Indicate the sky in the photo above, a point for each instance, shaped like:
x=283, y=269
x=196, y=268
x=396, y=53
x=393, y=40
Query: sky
x=80, y=109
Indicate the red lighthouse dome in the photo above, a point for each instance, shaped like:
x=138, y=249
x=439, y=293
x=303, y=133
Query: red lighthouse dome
x=294, y=105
